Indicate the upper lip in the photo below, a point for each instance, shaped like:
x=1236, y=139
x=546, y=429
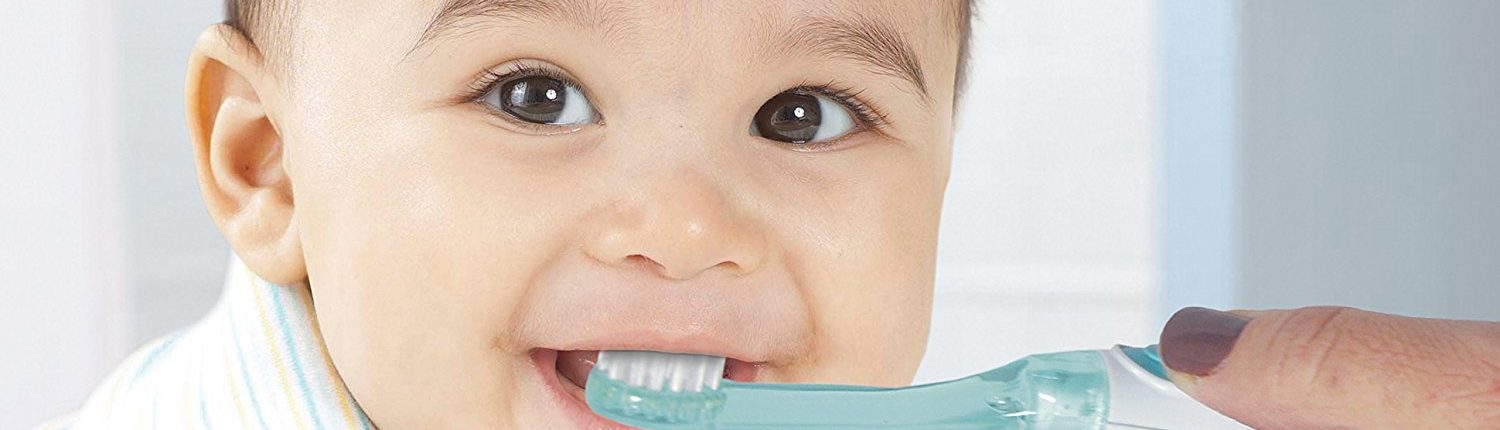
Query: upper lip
x=703, y=344
x=760, y=320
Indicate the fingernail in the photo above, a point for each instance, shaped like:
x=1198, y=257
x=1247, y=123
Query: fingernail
x=1196, y=339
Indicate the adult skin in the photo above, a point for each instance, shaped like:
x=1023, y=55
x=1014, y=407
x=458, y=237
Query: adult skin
x=1337, y=368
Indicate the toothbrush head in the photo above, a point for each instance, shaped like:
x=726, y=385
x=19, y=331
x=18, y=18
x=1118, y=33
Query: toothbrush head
x=656, y=389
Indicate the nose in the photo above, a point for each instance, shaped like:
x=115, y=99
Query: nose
x=683, y=225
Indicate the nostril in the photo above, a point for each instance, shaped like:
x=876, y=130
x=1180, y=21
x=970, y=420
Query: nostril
x=730, y=267
x=643, y=262
x=684, y=270
x=651, y=265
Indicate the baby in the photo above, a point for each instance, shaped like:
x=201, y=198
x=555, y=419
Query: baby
x=443, y=209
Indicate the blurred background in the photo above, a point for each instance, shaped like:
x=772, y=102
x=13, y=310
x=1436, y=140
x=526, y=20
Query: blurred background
x=1116, y=160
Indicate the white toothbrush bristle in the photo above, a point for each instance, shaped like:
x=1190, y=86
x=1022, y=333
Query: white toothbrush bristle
x=662, y=371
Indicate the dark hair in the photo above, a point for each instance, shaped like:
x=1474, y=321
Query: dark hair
x=964, y=15
x=255, y=19
x=242, y=16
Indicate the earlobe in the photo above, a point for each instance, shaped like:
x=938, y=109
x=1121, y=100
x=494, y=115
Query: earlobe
x=240, y=155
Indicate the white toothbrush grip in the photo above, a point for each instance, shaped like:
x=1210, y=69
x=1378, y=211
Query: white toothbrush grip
x=1139, y=399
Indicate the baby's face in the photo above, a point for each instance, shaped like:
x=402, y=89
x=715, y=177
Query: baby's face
x=486, y=198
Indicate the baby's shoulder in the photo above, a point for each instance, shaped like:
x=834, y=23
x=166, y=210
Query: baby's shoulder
x=140, y=388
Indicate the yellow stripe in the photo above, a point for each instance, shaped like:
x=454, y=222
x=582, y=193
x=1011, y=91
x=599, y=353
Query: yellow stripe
x=265, y=324
x=333, y=376
x=234, y=388
x=118, y=384
x=132, y=362
x=187, y=403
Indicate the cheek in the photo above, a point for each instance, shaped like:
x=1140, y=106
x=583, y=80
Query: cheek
x=418, y=249
x=866, y=266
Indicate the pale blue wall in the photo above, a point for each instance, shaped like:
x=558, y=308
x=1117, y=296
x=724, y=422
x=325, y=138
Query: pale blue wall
x=175, y=253
x=1369, y=151
x=1197, y=207
x=1331, y=152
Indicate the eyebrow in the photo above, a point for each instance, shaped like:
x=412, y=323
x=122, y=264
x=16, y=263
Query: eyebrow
x=859, y=38
x=457, y=17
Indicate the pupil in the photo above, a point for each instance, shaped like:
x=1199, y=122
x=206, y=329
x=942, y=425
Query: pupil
x=789, y=117
x=537, y=99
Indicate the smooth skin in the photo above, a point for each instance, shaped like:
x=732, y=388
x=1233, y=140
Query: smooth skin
x=444, y=243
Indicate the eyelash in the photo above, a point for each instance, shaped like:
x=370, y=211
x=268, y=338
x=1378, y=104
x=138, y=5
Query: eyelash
x=492, y=78
x=849, y=97
x=868, y=115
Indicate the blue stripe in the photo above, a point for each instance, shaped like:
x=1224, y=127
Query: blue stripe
x=245, y=374
x=364, y=421
x=202, y=406
x=286, y=337
x=152, y=356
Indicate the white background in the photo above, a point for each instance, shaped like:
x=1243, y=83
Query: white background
x=1115, y=160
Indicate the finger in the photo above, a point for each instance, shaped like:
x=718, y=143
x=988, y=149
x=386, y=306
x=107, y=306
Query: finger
x=1337, y=368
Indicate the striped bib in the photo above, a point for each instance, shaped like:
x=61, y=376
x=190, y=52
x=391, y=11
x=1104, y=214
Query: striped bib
x=257, y=361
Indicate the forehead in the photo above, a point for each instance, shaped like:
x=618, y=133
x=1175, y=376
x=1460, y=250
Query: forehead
x=686, y=14
x=895, y=37
x=612, y=16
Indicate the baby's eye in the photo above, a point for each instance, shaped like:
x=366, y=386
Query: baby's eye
x=801, y=117
x=541, y=100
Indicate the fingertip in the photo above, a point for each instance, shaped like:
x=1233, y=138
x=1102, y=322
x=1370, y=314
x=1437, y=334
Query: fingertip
x=1195, y=340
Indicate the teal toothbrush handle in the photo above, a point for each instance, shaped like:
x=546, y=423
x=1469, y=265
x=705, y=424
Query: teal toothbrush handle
x=1042, y=392
x=1059, y=391
x=1118, y=388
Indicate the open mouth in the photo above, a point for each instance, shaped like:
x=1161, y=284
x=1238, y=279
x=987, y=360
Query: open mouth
x=572, y=369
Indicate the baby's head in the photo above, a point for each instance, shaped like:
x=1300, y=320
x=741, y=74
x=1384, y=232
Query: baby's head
x=472, y=186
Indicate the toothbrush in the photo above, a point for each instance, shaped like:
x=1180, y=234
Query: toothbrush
x=1113, y=389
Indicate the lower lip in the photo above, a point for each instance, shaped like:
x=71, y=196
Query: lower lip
x=565, y=395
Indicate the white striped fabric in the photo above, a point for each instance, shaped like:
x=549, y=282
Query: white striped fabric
x=257, y=361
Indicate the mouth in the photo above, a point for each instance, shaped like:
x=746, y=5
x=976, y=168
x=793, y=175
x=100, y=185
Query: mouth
x=566, y=373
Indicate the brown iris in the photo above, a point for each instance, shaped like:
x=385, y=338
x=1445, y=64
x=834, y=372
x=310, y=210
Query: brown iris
x=789, y=117
x=537, y=99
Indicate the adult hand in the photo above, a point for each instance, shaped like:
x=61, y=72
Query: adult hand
x=1337, y=368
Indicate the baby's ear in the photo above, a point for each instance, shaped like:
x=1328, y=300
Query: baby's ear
x=231, y=117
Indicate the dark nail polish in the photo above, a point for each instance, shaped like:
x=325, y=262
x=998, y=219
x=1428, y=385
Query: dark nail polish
x=1195, y=339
